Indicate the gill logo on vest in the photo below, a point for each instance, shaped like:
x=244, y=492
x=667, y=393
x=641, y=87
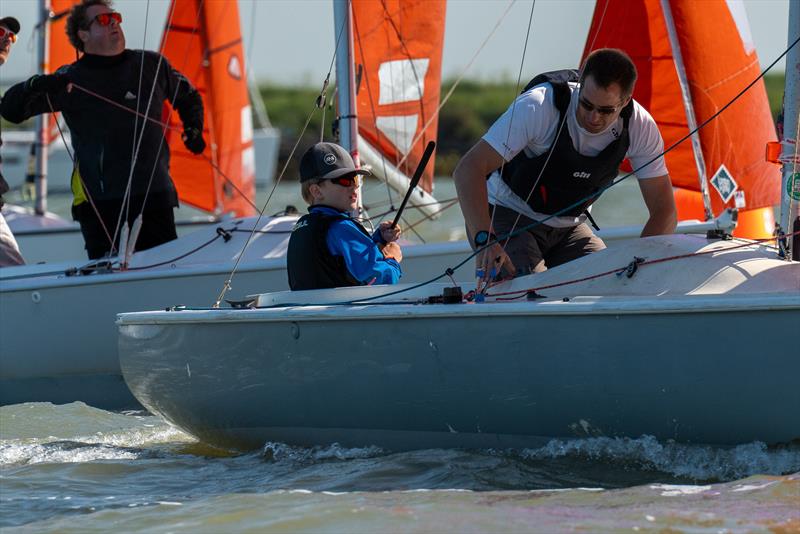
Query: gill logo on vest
x=300, y=224
x=581, y=174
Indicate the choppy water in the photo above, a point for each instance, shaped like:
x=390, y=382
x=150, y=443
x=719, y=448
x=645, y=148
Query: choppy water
x=73, y=468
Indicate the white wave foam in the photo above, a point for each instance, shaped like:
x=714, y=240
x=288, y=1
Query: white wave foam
x=278, y=452
x=119, y=445
x=692, y=461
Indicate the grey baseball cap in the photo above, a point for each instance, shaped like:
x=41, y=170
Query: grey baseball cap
x=326, y=161
x=11, y=23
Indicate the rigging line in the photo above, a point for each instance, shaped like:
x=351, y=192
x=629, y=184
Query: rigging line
x=138, y=102
x=319, y=103
x=640, y=264
x=129, y=186
x=460, y=77
x=374, y=112
x=511, y=118
x=74, y=169
x=175, y=94
x=410, y=207
x=230, y=182
x=558, y=133
x=229, y=280
x=173, y=260
x=448, y=205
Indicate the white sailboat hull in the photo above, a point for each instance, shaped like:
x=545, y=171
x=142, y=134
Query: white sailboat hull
x=58, y=341
x=702, y=362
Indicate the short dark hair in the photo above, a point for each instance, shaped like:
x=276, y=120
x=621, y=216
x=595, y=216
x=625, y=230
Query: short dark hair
x=607, y=66
x=77, y=20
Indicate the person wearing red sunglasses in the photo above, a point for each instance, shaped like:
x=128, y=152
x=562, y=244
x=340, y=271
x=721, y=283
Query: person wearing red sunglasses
x=9, y=250
x=550, y=156
x=107, y=172
x=328, y=247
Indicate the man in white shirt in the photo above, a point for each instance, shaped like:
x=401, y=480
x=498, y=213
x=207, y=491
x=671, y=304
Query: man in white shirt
x=559, y=145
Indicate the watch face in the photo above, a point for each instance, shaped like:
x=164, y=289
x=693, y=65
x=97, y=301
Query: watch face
x=481, y=238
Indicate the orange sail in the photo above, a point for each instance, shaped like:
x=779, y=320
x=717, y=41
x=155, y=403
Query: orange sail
x=60, y=51
x=397, y=47
x=203, y=41
x=719, y=60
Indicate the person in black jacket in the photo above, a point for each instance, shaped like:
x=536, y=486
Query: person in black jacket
x=121, y=158
x=9, y=250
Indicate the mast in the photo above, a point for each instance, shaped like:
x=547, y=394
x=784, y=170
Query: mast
x=43, y=120
x=790, y=190
x=345, y=82
x=345, y=77
x=691, y=119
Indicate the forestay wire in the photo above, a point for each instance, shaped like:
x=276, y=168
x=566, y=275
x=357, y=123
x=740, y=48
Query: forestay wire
x=318, y=104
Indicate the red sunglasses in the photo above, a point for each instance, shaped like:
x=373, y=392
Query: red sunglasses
x=4, y=32
x=104, y=19
x=347, y=181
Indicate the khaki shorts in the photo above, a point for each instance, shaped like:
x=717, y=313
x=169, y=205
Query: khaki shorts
x=542, y=246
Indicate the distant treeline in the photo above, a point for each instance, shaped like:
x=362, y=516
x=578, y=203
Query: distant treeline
x=471, y=109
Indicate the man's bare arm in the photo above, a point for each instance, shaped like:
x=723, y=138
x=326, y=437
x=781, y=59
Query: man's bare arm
x=660, y=202
x=470, y=180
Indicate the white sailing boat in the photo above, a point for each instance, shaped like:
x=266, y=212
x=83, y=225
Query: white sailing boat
x=679, y=337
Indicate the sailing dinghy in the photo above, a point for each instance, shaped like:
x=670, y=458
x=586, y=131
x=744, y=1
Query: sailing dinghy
x=679, y=337
x=216, y=69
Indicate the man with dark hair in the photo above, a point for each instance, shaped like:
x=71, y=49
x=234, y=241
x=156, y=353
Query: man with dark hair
x=559, y=144
x=9, y=250
x=121, y=158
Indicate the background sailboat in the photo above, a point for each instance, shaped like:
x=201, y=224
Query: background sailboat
x=221, y=183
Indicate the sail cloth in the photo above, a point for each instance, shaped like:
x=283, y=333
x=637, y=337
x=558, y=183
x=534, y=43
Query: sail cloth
x=203, y=41
x=719, y=60
x=398, y=64
x=60, y=51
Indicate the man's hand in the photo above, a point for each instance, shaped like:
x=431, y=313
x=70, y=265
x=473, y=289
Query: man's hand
x=490, y=261
x=48, y=83
x=193, y=140
x=389, y=233
x=392, y=250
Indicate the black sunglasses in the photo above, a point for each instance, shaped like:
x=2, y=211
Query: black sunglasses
x=602, y=110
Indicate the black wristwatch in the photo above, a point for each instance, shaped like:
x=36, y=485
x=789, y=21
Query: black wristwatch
x=482, y=237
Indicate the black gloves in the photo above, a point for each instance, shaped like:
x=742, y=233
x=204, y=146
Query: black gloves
x=193, y=140
x=48, y=83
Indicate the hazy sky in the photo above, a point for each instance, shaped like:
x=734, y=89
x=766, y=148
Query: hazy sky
x=293, y=39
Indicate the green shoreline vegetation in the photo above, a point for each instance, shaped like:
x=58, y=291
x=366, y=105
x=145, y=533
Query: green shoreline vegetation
x=472, y=108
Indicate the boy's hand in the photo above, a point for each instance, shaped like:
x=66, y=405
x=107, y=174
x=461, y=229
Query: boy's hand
x=392, y=250
x=389, y=233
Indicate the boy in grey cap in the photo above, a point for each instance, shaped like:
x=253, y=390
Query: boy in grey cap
x=328, y=248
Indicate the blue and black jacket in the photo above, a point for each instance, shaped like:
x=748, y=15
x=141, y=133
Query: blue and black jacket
x=328, y=248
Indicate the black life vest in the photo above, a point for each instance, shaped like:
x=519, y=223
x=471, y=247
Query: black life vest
x=309, y=263
x=568, y=176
